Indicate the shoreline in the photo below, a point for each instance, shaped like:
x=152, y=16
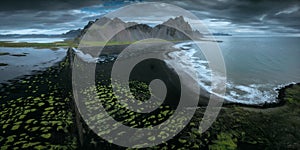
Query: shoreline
x=276, y=102
x=280, y=99
x=236, y=121
x=81, y=131
x=27, y=60
x=280, y=90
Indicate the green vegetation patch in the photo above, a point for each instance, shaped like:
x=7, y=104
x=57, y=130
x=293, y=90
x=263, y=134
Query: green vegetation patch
x=292, y=95
x=53, y=45
x=42, y=119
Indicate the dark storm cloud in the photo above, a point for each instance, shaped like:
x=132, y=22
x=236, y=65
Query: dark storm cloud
x=11, y=5
x=44, y=16
x=272, y=13
x=57, y=21
x=230, y=15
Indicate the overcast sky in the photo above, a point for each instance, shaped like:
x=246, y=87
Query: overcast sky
x=265, y=17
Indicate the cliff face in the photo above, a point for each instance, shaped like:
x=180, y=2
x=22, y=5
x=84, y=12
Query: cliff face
x=173, y=29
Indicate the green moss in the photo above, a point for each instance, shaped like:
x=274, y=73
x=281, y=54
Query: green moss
x=46, y=136
x=48, y=118
x=11, y=138
x=152, y=138
x=38, y=45
x=22, y=116
x=22, y=113
x=40, y=147
x=34, y=129
x=15, y=127
x=5, y=126
x=182, y=141
x=224, y=141
x=293, y=94
x=4, y=147
x=111, y=43
x=30, y=144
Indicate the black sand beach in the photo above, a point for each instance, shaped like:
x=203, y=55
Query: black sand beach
x=38, y=111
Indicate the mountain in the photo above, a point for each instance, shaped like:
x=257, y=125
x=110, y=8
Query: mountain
x=218, y=34
x=71, y=33
x=172, y=30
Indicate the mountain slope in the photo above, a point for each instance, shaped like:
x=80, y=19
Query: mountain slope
x=102, y=29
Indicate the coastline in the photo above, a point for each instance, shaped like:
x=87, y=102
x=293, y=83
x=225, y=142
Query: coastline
x=27, y=60
x=281, y=93
x=228, y=115
x=275, y=101
x=280, y=90
x=248, y=125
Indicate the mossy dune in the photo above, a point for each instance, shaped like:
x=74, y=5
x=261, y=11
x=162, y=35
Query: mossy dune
x=37, y=112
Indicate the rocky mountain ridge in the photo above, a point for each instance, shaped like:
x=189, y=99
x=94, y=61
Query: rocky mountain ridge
x=172, y=30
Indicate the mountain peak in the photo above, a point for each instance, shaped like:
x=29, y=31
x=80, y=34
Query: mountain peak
x=117, y=20
x=173, y=29
x=103, y=20
x=178, y=23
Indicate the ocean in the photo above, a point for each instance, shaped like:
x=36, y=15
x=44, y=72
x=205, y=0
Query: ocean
x=255, y=66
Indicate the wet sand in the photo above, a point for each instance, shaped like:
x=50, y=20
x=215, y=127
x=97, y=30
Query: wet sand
x=25, y=61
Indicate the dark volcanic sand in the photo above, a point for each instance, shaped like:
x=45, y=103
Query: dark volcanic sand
x=246, y=129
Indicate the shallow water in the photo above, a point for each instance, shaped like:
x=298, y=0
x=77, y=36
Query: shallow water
x=255, y=66
x=33, y=40
x=34, y=59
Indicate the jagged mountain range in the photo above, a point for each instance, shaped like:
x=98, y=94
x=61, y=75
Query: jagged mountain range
x=169, y=30
x=172, y=29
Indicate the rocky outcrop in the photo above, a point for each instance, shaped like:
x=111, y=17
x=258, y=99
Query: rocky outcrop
x=71, y=33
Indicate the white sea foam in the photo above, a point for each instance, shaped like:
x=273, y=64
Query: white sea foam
x=90, y=59
x=85, y=57
x=245, y=94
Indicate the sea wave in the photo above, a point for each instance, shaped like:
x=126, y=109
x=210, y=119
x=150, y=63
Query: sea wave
x=250, y=94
